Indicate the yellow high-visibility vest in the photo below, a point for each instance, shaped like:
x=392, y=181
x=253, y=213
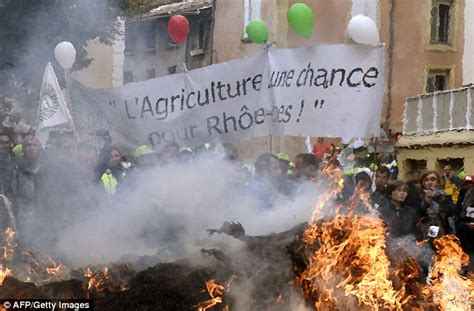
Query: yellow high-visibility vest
x=109, y=182
x=452, y=190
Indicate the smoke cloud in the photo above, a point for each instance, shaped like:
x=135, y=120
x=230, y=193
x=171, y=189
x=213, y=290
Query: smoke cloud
x=166, y=208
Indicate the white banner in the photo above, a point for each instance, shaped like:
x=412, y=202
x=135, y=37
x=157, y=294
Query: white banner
x=332, y=91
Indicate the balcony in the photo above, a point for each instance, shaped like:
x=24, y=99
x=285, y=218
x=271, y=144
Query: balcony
x=439, y=112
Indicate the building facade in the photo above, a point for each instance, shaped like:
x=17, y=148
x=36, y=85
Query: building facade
x=427, y=47
x=438, y=130
x=424, y=46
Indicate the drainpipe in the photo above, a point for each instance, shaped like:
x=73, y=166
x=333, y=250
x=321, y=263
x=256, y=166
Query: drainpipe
x=211, y=30
x=391, y=46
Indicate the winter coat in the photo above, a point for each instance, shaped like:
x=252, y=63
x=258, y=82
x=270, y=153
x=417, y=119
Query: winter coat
x=401, y=221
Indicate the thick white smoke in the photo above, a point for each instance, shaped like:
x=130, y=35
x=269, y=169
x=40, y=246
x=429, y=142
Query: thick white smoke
x=171, y=207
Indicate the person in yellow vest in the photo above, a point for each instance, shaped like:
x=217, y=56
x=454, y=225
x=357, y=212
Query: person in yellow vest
x=145, y=157
x=452, y=183
x=17, y=150
x=116, y=172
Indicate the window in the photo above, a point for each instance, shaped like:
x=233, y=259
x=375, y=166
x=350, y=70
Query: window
x=150, y=73
x=438, y=80
x=127, y=77
x=441, y=16
x=415, y=165
x=202, y=34
x=172, y=70
x=150, y=36
x=251, y=11
x=198, y=44
x=130, y=38
x=457, y=164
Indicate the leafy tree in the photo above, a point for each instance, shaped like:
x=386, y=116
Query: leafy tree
x=30, y=30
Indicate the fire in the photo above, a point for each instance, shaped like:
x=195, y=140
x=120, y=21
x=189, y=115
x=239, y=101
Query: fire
x=101, y=281
x=347, y=258
x=54, y=273
x=215, y=291
x=7, y=256
x=450, y=290
x=4, y=272
x=25, y=265
x=347, y=264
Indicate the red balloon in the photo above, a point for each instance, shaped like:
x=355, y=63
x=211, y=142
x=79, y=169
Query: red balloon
x=178, y=28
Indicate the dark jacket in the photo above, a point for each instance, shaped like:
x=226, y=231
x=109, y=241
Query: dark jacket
x=7, y=166
x=442, y=206
x=413, y=195
x=24, y=184
x=401, y=221
x=379, y=198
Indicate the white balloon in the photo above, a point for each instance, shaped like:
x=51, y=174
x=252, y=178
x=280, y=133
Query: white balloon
x=65, y=54
x=363, y=30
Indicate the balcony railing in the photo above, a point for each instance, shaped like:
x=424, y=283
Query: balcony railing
x=439, y=112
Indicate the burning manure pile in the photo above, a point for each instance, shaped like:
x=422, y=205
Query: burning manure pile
x=337, y=261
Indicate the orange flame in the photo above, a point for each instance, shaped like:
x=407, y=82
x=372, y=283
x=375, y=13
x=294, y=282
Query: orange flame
x=450, y=290
x=101, y=281
x=349, y=259
x=215, y=291
x=347, y=264
x=4, y=272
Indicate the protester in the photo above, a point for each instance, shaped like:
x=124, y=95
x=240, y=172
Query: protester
x=452, y=183
x=169, y=153
x=26, y=178
x=320, y=148
x=116, y=172
x=230, y=152
x=185, y=156
x=379, y=196
x=7, y=165
x=401, y=219
x=285, y=164
x=306, y=167
x=414, y=189
x=435, y=206
x=145, y=157
x=465, y=224
x=269, y=181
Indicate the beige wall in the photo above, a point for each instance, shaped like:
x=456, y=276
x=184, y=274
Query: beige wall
x=413, y=53
x=229, y=44
x=331, y=17
x=433, y=154
x=99, y=73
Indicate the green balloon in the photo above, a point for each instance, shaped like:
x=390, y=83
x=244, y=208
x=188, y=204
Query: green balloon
x=301, y=19
x=257, y=31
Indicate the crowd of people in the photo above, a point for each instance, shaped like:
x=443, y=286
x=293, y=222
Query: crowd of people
x=51, y=181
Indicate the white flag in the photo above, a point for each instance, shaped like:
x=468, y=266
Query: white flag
x=52, y=110
x=52, y=107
